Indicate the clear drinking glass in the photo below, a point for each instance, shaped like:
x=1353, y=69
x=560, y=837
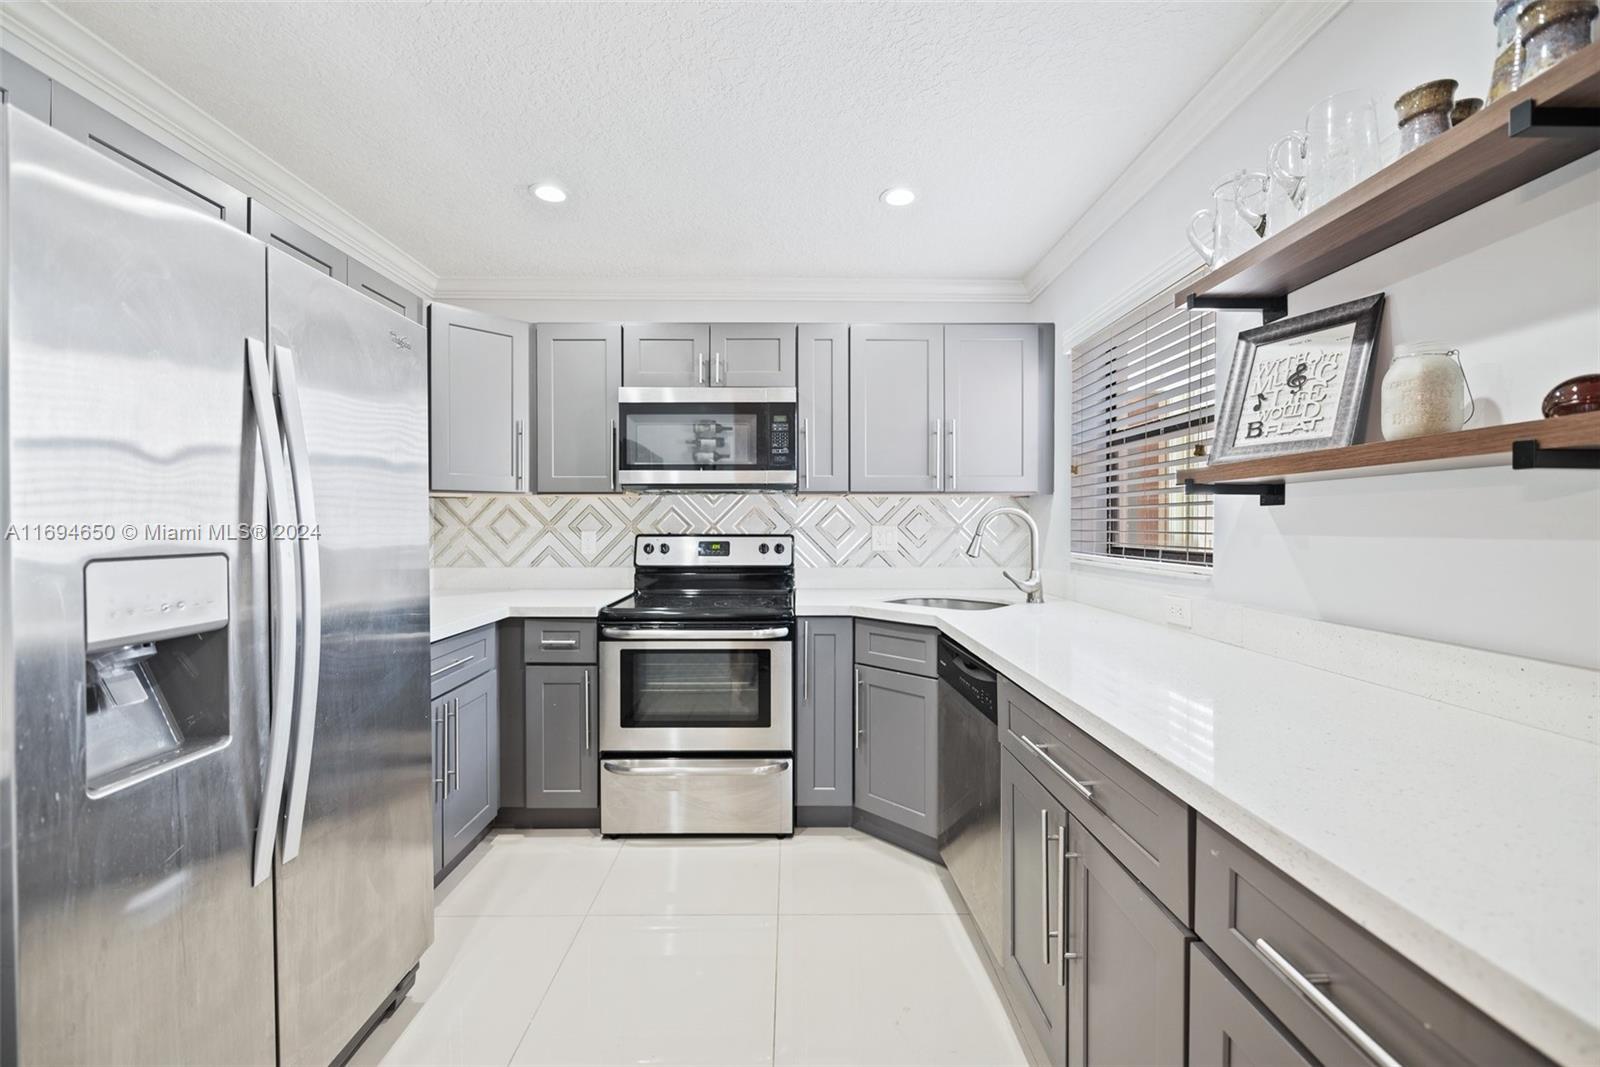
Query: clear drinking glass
x=1339, y=146
x=1235, y=220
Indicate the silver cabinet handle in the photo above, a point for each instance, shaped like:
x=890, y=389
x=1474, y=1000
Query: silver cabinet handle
x=858, y=707
x=587, y=704
x=805, y=660
x=952, y=453
x=286, y=590
x=614, y=460
x=560, y=643
x=1062, y=856
x=1039, y=750
x=938, y=453
x=804, y=458
x=452, y=665
x=516, y=456
x=719, y=371
x=1330, y=1011
x=1044, y=884
x=700, y=368
x=679, y=768
x=454, y=733
x=438, y=752
x=444, y=762
x=294, y=432
x=770, y=633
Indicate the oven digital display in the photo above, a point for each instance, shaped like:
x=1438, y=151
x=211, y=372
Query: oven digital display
x=715, y=548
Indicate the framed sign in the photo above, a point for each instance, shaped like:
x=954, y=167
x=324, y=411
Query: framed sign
x=1298, y=385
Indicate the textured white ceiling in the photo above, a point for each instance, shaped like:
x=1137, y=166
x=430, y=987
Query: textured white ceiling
x=697, y=140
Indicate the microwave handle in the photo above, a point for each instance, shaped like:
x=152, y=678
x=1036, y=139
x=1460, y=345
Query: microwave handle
x=614, y=459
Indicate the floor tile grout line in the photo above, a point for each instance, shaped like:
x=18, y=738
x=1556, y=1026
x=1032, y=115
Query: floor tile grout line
x=777, y=951
x=533, y=1017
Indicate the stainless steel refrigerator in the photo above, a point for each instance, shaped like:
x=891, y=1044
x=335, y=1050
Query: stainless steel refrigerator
x=215, y=784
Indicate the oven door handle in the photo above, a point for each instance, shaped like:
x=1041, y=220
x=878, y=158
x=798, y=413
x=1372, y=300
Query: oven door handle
x=686, y=769
x=770, y=633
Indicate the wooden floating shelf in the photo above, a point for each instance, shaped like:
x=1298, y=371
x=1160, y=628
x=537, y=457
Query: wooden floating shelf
x=1454, y=173
x=1489, y=446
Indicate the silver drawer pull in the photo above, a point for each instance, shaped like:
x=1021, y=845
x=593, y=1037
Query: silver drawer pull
x=1331, y=1011
x=452, y=665
x=721, y=768
x=545, y=642
x=1039, y=750
x=771, y=633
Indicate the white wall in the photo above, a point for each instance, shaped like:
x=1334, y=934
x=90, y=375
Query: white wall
x=1488, y=558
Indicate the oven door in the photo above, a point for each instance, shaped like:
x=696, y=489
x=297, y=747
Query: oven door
x=688, y=438
x=668, y=691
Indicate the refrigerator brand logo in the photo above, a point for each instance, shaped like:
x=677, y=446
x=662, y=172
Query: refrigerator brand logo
x=398, y=341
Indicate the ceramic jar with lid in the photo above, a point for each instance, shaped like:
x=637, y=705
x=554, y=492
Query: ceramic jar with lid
x=1552, y=30
x=1508, y=48
x=1424, y=112
x=1425, y=392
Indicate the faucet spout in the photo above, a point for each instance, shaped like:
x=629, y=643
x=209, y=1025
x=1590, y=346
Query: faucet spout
x=1033, y=584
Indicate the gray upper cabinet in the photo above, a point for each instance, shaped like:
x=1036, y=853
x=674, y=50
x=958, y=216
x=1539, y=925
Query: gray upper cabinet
x=896, y=409
x=390, y=294
x=824, y=728
x=472, y=770
x=183, y=181
x=580, y=368
x=1226, y=1029
x=823, y=366
x=480, y=400
x=24, y=87
x=272, y=228
x=995, y=408
x=562, y=742
x=897, y=758
x=672, y=355
x=753, y=355
x=1034, y=828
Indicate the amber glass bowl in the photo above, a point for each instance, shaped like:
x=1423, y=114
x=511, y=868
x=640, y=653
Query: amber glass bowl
x=1573, y=396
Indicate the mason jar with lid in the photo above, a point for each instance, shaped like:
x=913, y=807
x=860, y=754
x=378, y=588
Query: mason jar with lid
x=1425, y=391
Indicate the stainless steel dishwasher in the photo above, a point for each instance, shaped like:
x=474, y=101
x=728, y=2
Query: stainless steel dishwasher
x=969, y=786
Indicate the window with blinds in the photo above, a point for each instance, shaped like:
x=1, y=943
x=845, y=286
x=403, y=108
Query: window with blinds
x=1143, y=409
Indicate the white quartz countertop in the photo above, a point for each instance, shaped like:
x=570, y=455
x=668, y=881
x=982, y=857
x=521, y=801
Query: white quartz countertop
x=1468, y=843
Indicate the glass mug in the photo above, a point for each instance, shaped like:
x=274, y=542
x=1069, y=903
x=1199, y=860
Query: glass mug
x=1287, y=198
x=1235, y=220
x=1337, y=149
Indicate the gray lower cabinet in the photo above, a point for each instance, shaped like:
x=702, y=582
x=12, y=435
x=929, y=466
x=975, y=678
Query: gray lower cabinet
x=1226, y=1026
x=182, y=180
x=823, y=375
x=1033, y=861
x=896, y=409
x=480, y=400
x=469, y=770
x=753, y=355
x=24, y=87
x=897, y=758
x=996, y=405
x=562, y=743
x=666, y=355
x=390, y=294
x=824, y=720
x=271, y=228
x=580, y=369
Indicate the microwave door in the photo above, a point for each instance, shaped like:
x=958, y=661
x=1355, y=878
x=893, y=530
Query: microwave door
x=705, y=443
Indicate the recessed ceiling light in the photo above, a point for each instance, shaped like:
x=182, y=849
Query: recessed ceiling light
x=899, y=196
x=550, y=194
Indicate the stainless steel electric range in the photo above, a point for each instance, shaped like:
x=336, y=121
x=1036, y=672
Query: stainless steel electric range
x=696, y=706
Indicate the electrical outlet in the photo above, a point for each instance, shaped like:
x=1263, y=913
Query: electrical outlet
x=590, y=542
x=885, y=538
x=1178, y=611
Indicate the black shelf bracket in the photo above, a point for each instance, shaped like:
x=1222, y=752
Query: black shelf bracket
x=1527, y=455
x=1529, y=119
x=1267, y=494
x=1272, y=308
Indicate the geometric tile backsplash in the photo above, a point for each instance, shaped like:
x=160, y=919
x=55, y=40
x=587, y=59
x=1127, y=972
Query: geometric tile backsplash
x=489, y=530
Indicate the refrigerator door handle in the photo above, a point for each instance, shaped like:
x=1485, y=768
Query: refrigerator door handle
x=306, y=543
x=280, y=508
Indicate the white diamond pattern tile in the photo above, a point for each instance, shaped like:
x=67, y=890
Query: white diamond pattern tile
x=513, y=530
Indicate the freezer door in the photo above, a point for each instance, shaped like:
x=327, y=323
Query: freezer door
x=138, y=619
x=355, y=870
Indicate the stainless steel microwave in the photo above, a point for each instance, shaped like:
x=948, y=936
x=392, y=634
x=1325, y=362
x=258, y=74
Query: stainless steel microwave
x=705, y=438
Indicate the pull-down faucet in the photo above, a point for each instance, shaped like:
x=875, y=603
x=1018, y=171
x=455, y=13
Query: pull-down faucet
x=1033, y=584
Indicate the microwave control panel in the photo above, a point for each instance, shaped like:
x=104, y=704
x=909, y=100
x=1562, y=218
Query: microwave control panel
x=780, y=442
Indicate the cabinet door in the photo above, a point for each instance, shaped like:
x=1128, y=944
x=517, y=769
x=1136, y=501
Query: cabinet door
x=1127, y=981
x=1227, y=1028
x=824, y=726
x=390, y=294
x=24, y=87
x=439, y=716
x=993, y=409
x=580, y=370
x=897, y=764
x=896, y=409
x=472, y=774
x=271, y=228
x=753, y=355
x=480, y=401
x=563, y=757
x=182, y=181
x=824, y=407
x=672, y=355
x=1033, y=823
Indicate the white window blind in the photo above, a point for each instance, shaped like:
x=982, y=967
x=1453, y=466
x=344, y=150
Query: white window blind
x=1143, y=409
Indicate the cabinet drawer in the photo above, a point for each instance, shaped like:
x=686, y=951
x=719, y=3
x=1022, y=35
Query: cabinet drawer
x=912, y=649
x=559, y=641
x=1142, y=824
x=1226, y=1028
x=459, y=659
x=1306, y=962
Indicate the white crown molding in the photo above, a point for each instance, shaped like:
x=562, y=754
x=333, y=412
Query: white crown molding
x=972, y=290
x=1269, y=48
x=97, y=70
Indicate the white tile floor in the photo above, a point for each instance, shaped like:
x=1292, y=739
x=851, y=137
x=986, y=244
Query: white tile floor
x=559, y=947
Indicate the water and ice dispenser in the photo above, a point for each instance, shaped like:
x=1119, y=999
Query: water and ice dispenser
x=156, y=678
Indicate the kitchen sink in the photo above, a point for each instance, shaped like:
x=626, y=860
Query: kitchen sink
x=949, y=603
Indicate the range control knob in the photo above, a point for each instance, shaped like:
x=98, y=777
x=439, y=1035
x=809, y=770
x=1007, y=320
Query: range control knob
x=763, y=548
x=778, y=548
x=649, y=548
x=664, y=548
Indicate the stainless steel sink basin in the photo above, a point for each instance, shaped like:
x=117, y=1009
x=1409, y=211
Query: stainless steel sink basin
x=949, y=603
